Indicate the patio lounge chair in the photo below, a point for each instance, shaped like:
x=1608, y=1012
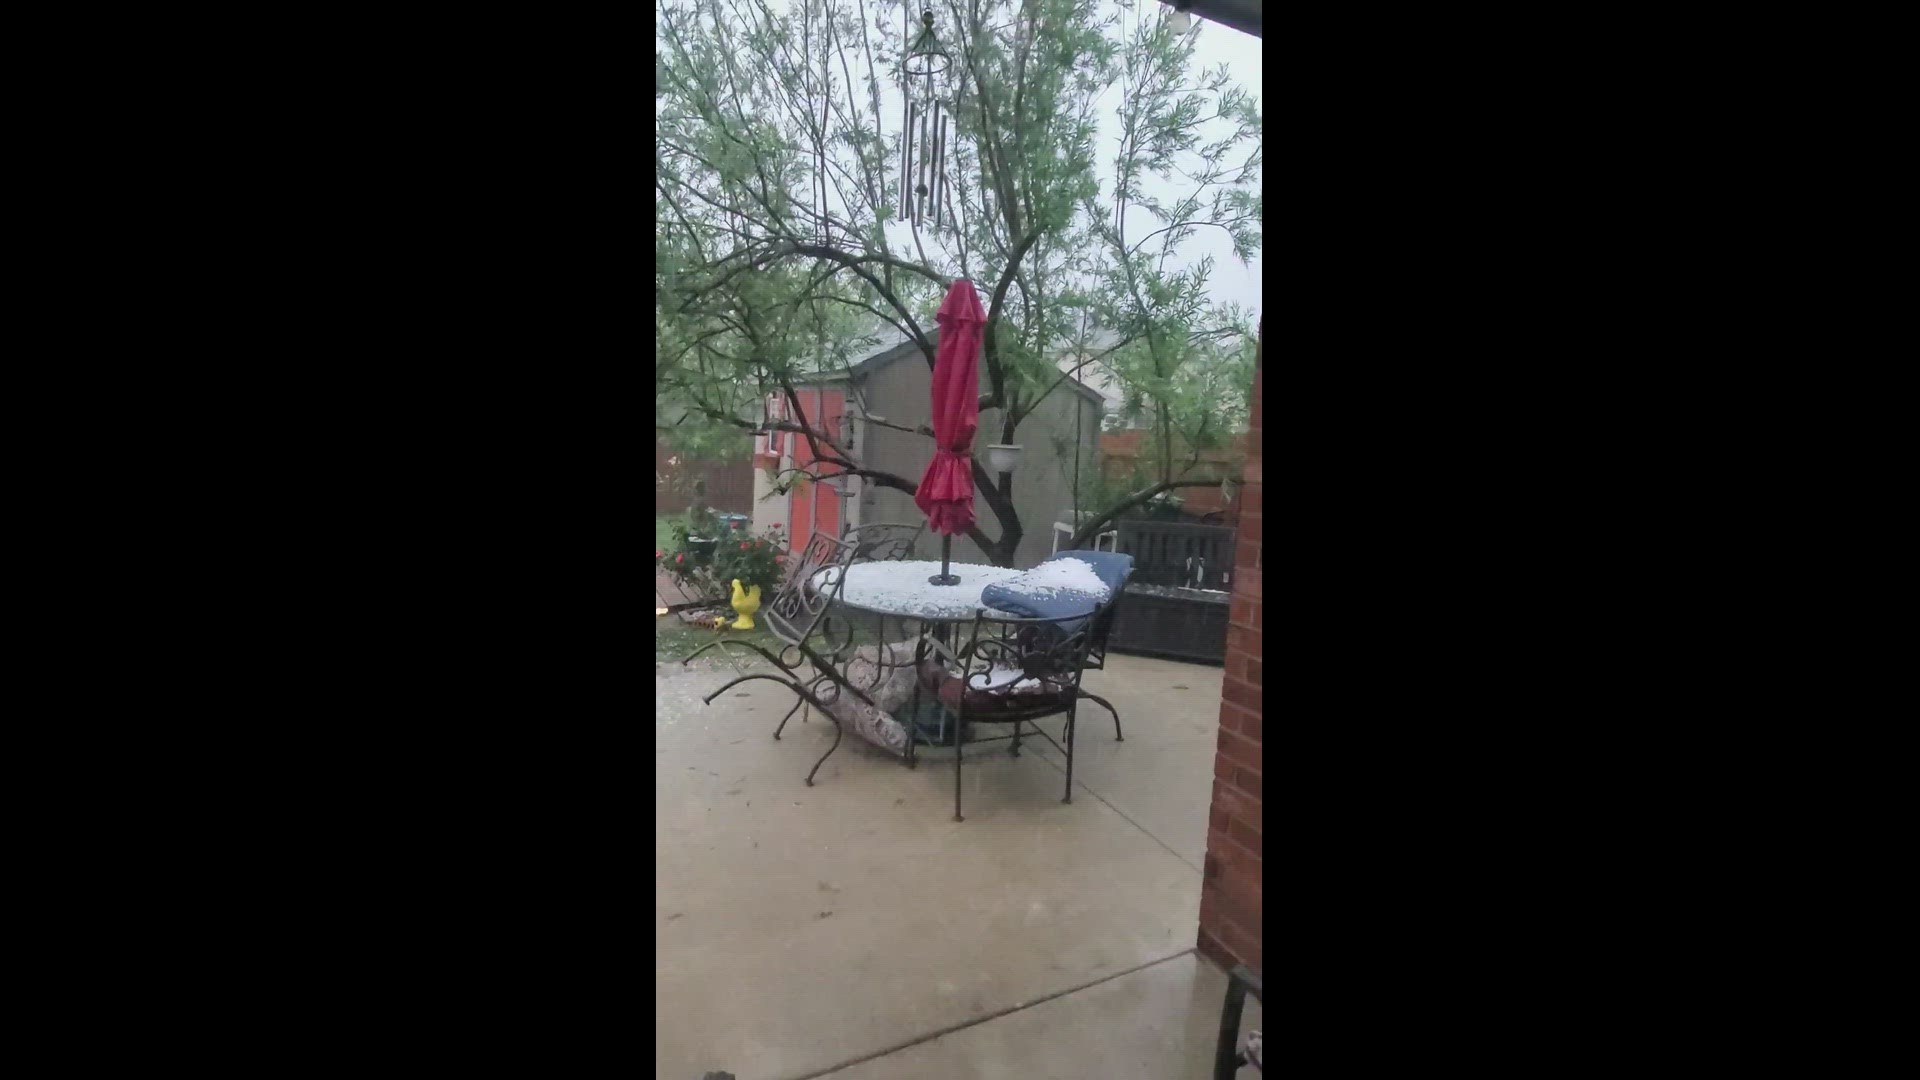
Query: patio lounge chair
x=797, y=617
x=1015, y=671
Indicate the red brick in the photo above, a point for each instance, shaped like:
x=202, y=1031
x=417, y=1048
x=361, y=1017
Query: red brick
x=1247, y=780
x=1218, y=817
x=1243, y=946
x=1251, y=492
x=1237, y=639
x=1247, y=581
x=1239, y=751
x=1244, y=638
x=1244, y=553
x=1211, y=868
x=1240, y=610
x=1235, y=666
x=1212, y=949
x=1251, y=475
x=1223, y=769
x=1236, y=805
x=1257, y=605
x=1251, y=725
x=1239, y=717
x=1254, y=666
x=1246, y=834
x=1249, y=527
x=1237, y=912
x=1241, y=693
x=1239, y=901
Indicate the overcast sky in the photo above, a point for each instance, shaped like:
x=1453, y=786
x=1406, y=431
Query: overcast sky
x=1232, y=281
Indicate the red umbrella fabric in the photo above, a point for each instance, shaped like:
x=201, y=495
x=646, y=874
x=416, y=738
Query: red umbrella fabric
x=946, y=490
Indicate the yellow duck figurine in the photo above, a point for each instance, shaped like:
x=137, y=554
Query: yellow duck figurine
x=746, y=602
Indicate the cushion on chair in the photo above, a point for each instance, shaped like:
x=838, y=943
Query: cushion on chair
x=1113, y=567
x=1061, y=586
x=996, y=698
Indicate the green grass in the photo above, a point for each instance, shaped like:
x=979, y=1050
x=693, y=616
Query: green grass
x=673, y=639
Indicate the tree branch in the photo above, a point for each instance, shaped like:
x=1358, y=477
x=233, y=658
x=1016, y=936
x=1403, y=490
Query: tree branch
x=1093, y=527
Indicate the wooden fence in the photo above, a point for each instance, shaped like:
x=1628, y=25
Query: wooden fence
x=679, y=483
x=1120, y=450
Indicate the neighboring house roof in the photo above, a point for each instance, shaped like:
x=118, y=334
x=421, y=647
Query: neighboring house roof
x=1245, y=16
x=896, y=350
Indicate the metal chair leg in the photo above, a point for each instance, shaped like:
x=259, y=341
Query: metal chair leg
x=1069, y=733
x=959, y=742
x=1016, y=738
x=797, y=706
x=1118, y=736
x=1227, y=1057
x=837, y=732
x=1226, y=1051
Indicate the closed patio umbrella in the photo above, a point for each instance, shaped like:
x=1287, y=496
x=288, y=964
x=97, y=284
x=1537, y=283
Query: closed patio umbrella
x=946, y=489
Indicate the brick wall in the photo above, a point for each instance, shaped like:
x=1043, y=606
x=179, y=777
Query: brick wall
x=1230, y=930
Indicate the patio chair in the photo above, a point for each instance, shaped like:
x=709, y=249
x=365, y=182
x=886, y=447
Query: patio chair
x=882, y=542
x=797, y=616
x=1228, y=1058
x=1115, y=569
x=1008, y=671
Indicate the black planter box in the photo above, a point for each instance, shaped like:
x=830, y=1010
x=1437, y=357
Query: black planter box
x=1172, y=623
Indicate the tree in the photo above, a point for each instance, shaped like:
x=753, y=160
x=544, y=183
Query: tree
x=781, y=241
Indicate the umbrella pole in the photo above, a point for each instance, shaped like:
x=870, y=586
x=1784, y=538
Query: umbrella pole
x=946, y=554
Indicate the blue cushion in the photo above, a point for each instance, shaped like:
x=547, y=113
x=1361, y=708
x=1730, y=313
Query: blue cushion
x=1018, y=597
x=1113, y=567
x=1015, y=598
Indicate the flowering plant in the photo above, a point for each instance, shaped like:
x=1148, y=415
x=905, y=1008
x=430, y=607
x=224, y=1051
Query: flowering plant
x=688, y=562
x=754, y=560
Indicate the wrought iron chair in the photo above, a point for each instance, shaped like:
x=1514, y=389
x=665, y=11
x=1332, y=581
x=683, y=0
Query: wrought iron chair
x=1008, y=670
x=797, y=616
x=1227, y=1056
x=1097, y=651
x=1102, y=629
x=882, y=542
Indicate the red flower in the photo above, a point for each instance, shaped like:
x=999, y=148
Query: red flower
x=779, y=559
x=776, y=526
x=679, y=558
x=744, y=546
x=657, y=553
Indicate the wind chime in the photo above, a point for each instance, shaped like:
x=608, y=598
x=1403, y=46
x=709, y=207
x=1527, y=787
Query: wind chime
x=923, y=143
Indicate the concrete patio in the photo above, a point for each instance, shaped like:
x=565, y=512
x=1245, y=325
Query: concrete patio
x=854, y=929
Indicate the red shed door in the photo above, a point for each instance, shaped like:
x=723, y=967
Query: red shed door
x=815, y=506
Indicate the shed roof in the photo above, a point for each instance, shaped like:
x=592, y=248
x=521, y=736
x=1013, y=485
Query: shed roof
x=900, y=348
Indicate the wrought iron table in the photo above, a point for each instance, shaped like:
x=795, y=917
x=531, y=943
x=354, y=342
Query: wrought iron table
x=900, y=590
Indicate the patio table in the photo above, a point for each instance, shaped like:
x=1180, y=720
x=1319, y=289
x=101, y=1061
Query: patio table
x=900, y=590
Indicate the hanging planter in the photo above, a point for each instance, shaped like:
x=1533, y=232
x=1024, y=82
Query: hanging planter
x=1003, y=458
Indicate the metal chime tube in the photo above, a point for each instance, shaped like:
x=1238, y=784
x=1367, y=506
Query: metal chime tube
x=907, y=200
x=939, y=167
x=926, y=154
